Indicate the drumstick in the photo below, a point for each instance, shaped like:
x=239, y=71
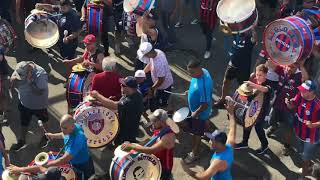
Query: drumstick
x=178, y=94
x=65, y=33
x=45, y=131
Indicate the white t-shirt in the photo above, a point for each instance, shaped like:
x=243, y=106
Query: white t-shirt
x=160, y=68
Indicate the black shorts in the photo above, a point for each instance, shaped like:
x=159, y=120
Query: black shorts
x=240, y=74
x=195, y=126
x=26, y=115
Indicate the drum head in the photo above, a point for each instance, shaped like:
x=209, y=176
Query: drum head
x=119, y=153
x=254, y=110
x=100, y=124
x=6, y=176
x=288, y=40
x=181, y=114
x=130, y=5
x=232, y=11
x=40, y=31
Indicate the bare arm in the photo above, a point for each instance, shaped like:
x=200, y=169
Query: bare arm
x=158, y=83
x=46, y=7
x=201, y=108
x=215, y=166
x=231, y=139
x=5, y=155
x=261, y=88
x=108, y=103
x=60, y=161
x=147, y=68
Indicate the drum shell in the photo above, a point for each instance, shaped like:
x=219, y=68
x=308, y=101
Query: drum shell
x=94, y=18
x=288, y=40
x=41, y=30
x=140, y=7
x=7, y=35
x=78, y=85
x=239, y=111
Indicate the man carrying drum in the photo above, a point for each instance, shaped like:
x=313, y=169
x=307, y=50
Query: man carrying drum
x=129, y=107
x=222, y=159
x=92, y=56
x=163, y=147
x=75, y=147
x=200, y=104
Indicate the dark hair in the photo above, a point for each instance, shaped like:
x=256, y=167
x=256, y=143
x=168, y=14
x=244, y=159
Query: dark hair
x=221, y=137
x=263, y=68
x=194, y=64
x=66, y=2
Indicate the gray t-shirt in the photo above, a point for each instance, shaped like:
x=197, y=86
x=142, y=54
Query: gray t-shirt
x=34, y=95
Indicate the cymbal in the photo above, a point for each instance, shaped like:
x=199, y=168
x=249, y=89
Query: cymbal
x=78, y=68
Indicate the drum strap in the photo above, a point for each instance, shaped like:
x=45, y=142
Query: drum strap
x=154, y=139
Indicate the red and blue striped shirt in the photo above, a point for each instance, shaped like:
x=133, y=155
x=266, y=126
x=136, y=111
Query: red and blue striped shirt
x=307, y=111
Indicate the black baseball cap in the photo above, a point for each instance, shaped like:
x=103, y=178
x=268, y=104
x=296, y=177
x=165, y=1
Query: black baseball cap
x=217, y=136
x=129, y=81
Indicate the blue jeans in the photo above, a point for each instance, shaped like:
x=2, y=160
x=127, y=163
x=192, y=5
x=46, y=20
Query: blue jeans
x=307, y=149
x=68, y=51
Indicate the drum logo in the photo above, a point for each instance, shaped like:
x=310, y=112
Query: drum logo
x=253, y=108
x=96, y=126
x=282, y=42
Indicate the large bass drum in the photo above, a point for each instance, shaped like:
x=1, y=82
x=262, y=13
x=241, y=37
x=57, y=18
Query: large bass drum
x=100, y=124
x=7, y=35
x=41, y=30
x=237, y=16
x=132, y=165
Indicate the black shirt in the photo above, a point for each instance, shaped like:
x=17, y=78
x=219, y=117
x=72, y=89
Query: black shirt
x=242, y=51
x=130, y=109
x=4, y=68
x=70, y=22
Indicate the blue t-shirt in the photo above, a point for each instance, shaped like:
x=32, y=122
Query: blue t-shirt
x=144, y=87
x=200, y=91
x=226, y=155
x=77, y=146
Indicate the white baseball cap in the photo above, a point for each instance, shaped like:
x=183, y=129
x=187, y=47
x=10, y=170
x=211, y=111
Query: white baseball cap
x=140, y=73
x=144, y=48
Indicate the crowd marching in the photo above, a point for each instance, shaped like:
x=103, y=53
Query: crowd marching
x=106, y=109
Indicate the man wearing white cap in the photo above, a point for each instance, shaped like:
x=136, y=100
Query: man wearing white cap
x=163, y=146
x=222, y=158
x=31, y=81
x=160, y=74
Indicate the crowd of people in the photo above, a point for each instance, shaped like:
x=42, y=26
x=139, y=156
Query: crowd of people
x=290, y=99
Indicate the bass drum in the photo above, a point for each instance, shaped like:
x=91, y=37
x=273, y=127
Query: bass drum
x=41, y=30
x=132, y=165
x=7, y=35
x=100, y=124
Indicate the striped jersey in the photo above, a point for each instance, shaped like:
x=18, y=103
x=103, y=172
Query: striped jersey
x=310, y=111
x=208, y=15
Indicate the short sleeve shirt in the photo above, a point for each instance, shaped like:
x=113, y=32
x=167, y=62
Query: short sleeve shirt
x=77, y=146
x=200, y=91
x=107, y=84
x=70, y=22
x=160, y=68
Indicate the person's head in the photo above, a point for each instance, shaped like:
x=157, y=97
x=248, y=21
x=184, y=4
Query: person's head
x=308, y=3
x=23, y=70
x=307, y=90
x=90, y=42
x=66, y=6
x=292, y=68
x=146, y=51
x=159, y=119
x=67, y=124
x=261, y=73
x=194, y=68
x=109, y=64
x=138, y=173
x=218, y=140
x=140, y=76
x=128, y=85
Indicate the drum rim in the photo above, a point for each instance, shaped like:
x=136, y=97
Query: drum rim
x=222, y=18
x=248, y=28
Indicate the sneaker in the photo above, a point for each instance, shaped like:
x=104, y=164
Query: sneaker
x=241, y=145
x=207, y=55
x=178, y=25
x=262, y=150
x=190, y=158
x=271, y=130
x=117, y=48
x=20, y=145
x=194, y=22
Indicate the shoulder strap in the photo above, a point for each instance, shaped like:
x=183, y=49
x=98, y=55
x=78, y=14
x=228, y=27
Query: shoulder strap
x=154, y=139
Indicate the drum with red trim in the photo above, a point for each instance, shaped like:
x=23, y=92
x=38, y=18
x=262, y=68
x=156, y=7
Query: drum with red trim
x=66, y=170
x=138, y=6
x=132, y=165
x=94, y=18
x=237, y=16
x=288, y=40
x=7, y=35
x=100, y=125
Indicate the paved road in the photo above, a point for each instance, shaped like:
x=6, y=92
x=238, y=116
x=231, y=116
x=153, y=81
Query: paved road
x=247, y=164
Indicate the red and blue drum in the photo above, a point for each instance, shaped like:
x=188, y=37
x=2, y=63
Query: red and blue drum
x=132, y=165
x=78, y=87
x=66, y=170
x=237, y=16
x=288, y=40
x=7, y=35
x=138, y=6
x=94, y=18
x=100, y=125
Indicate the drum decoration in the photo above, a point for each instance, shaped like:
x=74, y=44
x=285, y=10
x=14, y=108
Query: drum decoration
x=100, y=124
x=41, y=30
x=288, y=40
x=7, y=35
x=132, y=165
x=130, y=20
x=240, y=108
x=237, y=16
x=66, y=170
x=254, y=110
x=138, y=6
x=94, y=18
x=78, y=86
